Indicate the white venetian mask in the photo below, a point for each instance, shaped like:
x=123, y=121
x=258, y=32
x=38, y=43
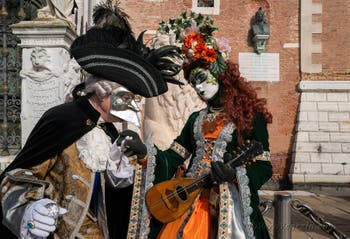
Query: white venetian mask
x=205, y=84
x=124, y=105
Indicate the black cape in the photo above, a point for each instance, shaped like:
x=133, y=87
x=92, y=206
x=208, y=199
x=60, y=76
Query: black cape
x=58, y=128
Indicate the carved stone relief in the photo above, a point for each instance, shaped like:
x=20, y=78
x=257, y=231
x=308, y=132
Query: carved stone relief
x=44, y=84
x=165, y=115
x=71, y=77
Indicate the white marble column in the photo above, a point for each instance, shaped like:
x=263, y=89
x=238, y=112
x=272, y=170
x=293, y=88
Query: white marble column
x=48, y=73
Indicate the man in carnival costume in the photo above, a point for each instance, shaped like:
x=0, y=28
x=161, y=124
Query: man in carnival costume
x=73, y=179
x=227, y=207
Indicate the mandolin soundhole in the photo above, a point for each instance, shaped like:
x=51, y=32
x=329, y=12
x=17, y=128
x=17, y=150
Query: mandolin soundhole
x=181, y=192
x=171, y=202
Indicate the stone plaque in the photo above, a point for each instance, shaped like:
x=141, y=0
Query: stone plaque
x=36, y=99
x=41, y=96
x=263, y=67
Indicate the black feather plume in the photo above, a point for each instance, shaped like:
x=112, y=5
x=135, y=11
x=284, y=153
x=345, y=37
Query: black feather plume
x=167, y=60
x=105, y=14
x=112, y=26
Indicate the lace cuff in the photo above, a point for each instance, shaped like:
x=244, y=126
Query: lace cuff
x=180, y=150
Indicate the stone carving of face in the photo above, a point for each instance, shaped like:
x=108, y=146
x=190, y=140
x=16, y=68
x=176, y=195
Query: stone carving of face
x=204, y=83
x=39, y=58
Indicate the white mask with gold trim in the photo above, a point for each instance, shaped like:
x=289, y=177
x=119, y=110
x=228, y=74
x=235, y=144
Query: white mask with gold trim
x=204, y=83
x=124, y=105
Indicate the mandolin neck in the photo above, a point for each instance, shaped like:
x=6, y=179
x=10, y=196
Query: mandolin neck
x=254, y=149
x=199, y=183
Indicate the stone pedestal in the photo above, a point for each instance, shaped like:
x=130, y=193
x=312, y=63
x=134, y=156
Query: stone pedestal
x=259, y=42
x=48, y=73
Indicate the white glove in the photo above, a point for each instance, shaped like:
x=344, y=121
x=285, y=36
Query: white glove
x=119, y=170
x=40, y=218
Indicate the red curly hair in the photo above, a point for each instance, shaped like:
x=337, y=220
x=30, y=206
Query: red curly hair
x=240, y=100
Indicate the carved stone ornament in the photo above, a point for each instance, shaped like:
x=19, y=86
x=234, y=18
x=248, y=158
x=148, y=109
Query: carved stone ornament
x=166, y=114
x=71, y=77
x=58, y=9
x=44, y=84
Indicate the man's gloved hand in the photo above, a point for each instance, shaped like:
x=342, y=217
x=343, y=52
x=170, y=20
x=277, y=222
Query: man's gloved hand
x=131, y=144
x=41, y=217
x=222, y=172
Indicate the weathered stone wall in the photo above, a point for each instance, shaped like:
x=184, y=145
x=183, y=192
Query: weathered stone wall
x=322, y=148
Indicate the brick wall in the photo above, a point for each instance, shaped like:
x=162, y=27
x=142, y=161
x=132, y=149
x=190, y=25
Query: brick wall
x=234, y=21
x=321, y=150
x=336, y=36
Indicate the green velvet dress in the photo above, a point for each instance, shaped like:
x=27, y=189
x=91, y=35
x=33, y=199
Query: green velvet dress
x=190, y=142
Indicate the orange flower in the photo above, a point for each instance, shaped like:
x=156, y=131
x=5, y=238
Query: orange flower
x=195, y=41
x=198, y=49
x=200, y=46
x=192, y=40
x=196, y=37
x=187, y=43
x=209, y=55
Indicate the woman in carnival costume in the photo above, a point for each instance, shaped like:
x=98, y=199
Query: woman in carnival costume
x=72, y=179
x=228, y=206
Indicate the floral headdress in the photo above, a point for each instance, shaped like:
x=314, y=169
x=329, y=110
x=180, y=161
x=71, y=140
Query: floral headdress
x=195, y=32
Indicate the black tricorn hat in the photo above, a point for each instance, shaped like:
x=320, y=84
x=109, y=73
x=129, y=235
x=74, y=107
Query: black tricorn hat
x=109, y=50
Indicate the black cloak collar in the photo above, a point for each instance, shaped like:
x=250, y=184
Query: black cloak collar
x=58, y=128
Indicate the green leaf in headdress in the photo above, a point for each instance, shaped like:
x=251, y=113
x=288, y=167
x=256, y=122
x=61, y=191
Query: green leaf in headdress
x=218, y=67
x=208, y=30
x=162, y=27
x=209, y=20
x=171, y=21
x=192, y=14
x=199, y=19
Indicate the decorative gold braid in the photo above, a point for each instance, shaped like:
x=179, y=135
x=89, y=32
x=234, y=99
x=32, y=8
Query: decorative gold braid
x=180, y=150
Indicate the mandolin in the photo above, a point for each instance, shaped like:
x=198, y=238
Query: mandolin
x=170, y=199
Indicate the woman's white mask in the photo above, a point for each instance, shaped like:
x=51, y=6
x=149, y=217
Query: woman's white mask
x=124, y=105
x=204, y=83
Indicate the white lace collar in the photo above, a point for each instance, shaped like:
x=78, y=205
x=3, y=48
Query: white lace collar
x=94, y=148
